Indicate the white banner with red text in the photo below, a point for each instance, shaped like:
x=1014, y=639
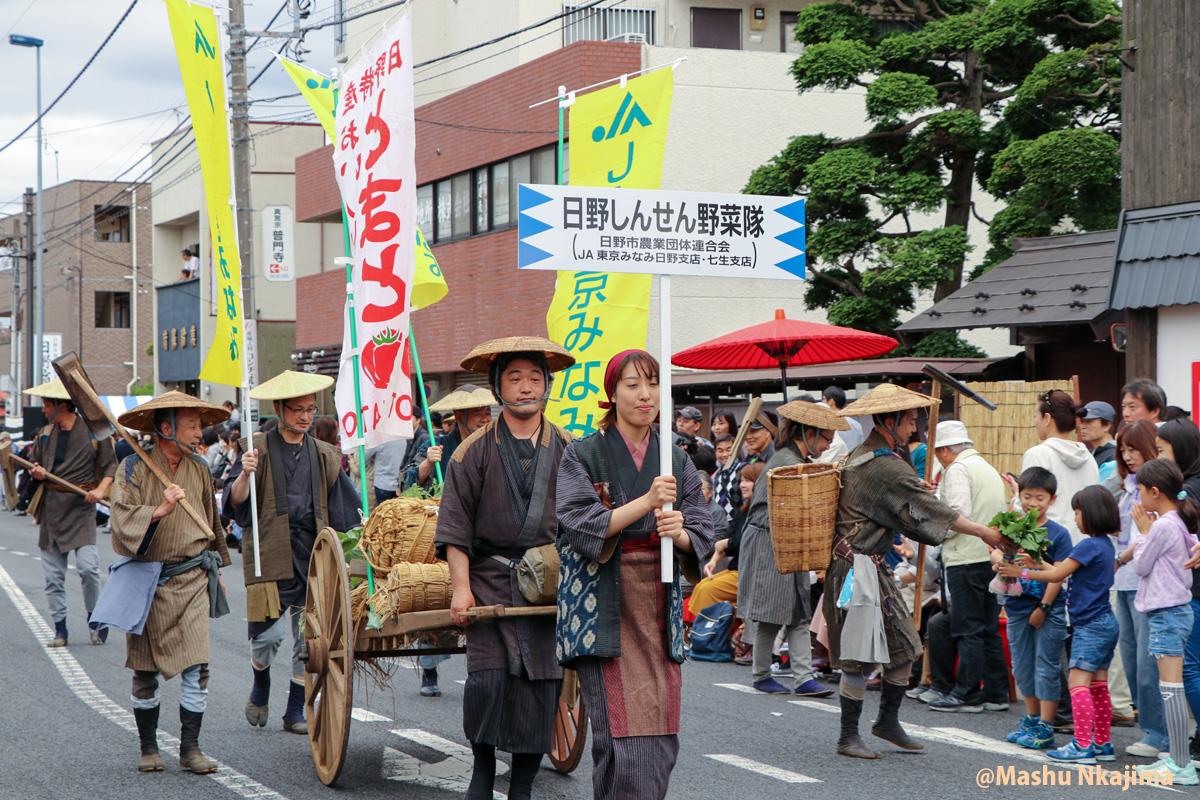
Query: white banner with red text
x=375, y=164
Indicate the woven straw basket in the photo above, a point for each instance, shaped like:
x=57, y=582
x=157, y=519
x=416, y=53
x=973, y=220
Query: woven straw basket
x=400, y=530
x=413, y=587
x=803, y=504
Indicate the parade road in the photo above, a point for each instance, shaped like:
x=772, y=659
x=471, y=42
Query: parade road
x=68, y=734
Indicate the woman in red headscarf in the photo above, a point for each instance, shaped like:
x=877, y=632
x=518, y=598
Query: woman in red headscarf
x=619, y=626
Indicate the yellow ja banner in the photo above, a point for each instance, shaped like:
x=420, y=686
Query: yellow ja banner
x=429, y=285
x=194, y=29
x=618, y=138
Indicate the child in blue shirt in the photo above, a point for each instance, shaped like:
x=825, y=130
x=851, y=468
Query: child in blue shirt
x=1037, y=618
x=1091, y=567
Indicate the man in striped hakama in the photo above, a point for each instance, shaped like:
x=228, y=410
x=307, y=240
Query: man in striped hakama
x=498, y=503
x=149, y=528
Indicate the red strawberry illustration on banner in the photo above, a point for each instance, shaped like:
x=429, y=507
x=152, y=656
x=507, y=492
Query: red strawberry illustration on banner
x=379, y=356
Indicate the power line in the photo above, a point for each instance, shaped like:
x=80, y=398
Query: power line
x=78, y=75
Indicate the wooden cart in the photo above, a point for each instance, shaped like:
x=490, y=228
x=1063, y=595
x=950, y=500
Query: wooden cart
x=333, y=643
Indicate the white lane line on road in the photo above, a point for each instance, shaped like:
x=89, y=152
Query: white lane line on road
x=18, y=553
x=816, y=705
x=362, y=715
x=738, y=687
x=82, y=686
x=443, y=746
x=764, y=769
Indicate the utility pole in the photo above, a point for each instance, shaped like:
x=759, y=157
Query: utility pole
x=240, y=113
x=31, y=240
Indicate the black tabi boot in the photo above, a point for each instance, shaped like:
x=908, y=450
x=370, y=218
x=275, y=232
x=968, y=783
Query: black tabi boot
x=483, y=773
x=850, y=743
x=147, y=724
x=190, y=757
x=888, y=726
x=524, y=770
x=256, y=706
x=293, y=717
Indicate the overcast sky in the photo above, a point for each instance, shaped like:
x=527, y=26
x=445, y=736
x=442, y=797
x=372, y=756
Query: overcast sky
x=131, y=94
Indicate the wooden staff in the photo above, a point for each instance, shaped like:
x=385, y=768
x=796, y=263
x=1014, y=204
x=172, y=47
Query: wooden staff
x=919, y=596
x=29, y=465
x=750, y=415
x=78, y=381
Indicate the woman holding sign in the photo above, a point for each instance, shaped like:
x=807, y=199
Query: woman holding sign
x=619, y=626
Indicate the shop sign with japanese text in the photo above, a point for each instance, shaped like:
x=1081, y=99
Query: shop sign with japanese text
x=375, y=166
x=278, y=243
x=660, y=232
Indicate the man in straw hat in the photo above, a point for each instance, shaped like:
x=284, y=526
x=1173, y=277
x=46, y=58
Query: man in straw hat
x=168, y=555
x=67, y=521
x=498, y=503
x=301, y=489
x=881, y=494
x=472, y=408
x=770, y=599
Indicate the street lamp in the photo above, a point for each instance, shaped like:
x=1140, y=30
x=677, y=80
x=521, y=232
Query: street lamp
x=40, y=320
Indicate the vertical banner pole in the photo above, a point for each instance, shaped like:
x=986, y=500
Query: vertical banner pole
x=666, y=410
x=562, y=96
x=362, y=433
x=249, y=434
x=437, y=465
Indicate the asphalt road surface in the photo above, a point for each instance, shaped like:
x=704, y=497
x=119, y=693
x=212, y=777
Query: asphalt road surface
x=66, y=731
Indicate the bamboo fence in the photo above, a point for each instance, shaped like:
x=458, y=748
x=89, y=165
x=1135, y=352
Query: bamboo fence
x=1002, y=436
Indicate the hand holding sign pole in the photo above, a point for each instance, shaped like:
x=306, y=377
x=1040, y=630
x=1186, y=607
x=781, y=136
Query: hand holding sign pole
x=663, y=233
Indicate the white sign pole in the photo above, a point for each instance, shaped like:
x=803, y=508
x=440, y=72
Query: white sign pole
x=665, y=411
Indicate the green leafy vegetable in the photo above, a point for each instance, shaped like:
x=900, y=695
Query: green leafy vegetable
x=1024, y=533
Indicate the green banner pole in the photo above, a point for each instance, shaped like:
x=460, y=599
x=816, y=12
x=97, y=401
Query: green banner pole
x=412, y=341
x=362, y=449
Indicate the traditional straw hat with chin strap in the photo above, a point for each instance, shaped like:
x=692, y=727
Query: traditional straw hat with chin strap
x=481, y=358
x=142, y=417
x=813, y=415
x=51, y=390
x=887, y=398
x=289, y=384
x=464, y=397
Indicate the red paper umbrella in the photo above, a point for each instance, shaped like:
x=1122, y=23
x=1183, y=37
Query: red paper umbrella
x=784, y=343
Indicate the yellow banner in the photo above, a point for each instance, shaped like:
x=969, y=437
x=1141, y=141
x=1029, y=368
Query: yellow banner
x=429, y=285
x=618, y=138
x=194, y=29
x=317, y=89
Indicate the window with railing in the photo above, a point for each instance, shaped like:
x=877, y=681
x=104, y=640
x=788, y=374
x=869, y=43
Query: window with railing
x=484, y=199
x=631, y=22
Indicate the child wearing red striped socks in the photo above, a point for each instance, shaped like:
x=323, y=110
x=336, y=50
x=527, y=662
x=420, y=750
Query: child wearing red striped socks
x=1090, y=567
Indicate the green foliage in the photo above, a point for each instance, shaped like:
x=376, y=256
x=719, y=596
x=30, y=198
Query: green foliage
x=945, y=344
x=1023, y=531
x=1008, y=95
x=142, y=389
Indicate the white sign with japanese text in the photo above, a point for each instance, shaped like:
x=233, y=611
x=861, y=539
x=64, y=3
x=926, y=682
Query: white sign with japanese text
x=375, y=164
x=278, y=245
x=51, y=349
x=660, y=232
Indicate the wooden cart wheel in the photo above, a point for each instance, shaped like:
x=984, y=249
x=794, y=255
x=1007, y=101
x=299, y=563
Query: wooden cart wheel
x=329, y=670
x=570, y=726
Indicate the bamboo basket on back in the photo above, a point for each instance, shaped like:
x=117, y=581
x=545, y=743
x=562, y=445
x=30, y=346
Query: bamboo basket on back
x=803, y=502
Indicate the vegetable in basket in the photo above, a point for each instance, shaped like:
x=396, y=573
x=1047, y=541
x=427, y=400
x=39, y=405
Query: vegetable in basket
x=1023, y=534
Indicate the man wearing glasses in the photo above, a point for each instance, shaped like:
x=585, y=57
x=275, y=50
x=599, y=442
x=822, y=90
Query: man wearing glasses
x=301, y=489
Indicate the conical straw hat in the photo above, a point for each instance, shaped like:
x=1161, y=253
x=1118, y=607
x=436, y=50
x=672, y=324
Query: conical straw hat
x=52, y=390
x=289, y=384
x=142, y=417
x=816, y=416
x=480, y=359
x=466, y=396
x=886, y=398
